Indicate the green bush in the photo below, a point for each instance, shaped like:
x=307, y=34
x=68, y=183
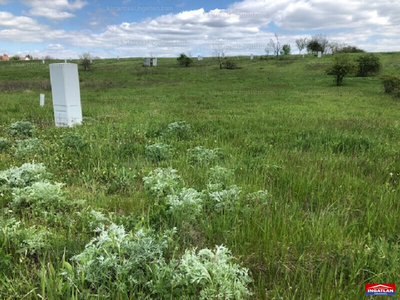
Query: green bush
x=20, y=177
x=391, y=84
x=180, y=130
x=162, y=182
x=184, y=60
x=4, y=144
x=27, y=147
x=229, y=64
x=158, y=152
x=211, y=274
x=187, y=205
x=203, y=156
x=72, y=140
x=341, y=67
x=40, y=199
x=119, y=264
x=368, y=64
x=21, y=129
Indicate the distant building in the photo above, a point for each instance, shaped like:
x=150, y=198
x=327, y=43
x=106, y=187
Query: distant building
x=150, y=61
x=4, y=57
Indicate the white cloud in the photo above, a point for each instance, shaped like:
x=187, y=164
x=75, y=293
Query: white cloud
x=55, y=47
x=54, y=9
x=242, y=28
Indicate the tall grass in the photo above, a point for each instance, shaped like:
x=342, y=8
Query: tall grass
x=299, y=179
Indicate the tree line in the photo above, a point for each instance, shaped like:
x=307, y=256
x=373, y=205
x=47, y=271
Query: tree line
x=317, y=43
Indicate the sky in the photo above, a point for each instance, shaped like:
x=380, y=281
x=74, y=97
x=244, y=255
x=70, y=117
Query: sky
x=166, y=28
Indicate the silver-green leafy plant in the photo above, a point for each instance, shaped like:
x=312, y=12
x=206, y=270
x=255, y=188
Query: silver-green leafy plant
x=15, y=236
x=119, y=263
x=219, y=178
x=27, y=147
x=158, y=152
x=40, y=199
x=187, y=205
x=260, y=197
x=162, y=182
x=203, y=156
x=180, y=130
x=226, y=199
x=4, y=144
x=209, y=274
x=27, y=174
x=21, y=129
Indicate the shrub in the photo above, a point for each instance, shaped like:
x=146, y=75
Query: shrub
x=162, y=182
x=350, y=49
x=15, y=236
x=186, y=205
x=72, y=140
x=184, y=60
x=367, y=64
x=219, y=178
x=41, y=199
x=285, y=49
x=180, y=130
x=203, y=156
x=341, y=67
x=4, y=144
x=158, y=152
x=27, y=174
x=225, y=199
x=21, y=129
x=27, y=147
x=211, y=274
x=229, y=64
x=118, y=264
x=391, y=84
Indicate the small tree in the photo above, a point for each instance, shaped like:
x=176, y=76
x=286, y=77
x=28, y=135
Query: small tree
x=285, y=49
x=86, y=60
x=317, y=43
x=301, y=44
x=184, y=60
x=275, y=46
x=367, y=64
x=220, y=55
x=341, y=67
x=314, y=46
x=15, y=57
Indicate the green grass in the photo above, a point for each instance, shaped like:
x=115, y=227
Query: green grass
x=328, y=156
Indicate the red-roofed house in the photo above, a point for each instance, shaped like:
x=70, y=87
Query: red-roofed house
x=4, y=57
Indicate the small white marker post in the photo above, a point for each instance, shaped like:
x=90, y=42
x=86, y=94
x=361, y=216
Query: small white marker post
x=41, y=100
x=319, y=54
x=43, y=61
x=251, y=56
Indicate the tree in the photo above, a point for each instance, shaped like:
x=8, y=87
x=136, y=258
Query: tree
x=317, y=43
x=285, y=49
x=268, y=49
x=29, y=57
x=367, y=64
x=184, y=60
x=86, y=60
x=275, y=46
x=341, y=67
x=220, y=55
x=15, y=57
x=301, y=44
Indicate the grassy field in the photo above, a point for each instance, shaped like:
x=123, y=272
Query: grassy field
x=298, y=178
